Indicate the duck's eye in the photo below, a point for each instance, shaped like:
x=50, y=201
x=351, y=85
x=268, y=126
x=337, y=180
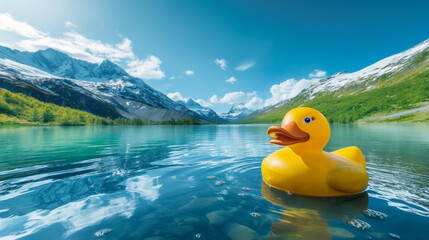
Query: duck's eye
x=307, y=120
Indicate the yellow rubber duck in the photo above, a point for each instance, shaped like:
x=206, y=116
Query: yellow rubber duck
x=302, y=167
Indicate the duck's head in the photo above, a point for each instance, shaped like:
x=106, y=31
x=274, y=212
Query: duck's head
x=302, y=128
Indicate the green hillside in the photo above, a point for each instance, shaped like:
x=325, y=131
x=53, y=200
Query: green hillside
x=407, y=88
x=18, y=109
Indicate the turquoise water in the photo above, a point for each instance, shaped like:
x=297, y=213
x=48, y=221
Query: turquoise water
x=156, y=182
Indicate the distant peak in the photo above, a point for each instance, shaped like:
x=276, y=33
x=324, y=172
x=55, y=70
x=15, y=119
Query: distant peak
x=109, y=68
x=49, y=50
x=239, y=108
x=110, y=64
x=190, y=100
x=107, y=61
x=52, y=53
x=191, y=103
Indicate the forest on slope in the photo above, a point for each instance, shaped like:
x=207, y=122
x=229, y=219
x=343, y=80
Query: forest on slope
x=19, y=109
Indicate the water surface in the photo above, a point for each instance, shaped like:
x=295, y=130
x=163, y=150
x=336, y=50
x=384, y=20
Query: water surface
x=151, y=182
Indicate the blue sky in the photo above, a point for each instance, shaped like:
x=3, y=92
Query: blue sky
x=174, y=45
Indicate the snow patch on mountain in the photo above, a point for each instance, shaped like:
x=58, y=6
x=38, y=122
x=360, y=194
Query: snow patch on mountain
x=237, y=112
x=205, y=112
x=25, y=70
x=61, y=65
x=372, y=72
x=131, y=97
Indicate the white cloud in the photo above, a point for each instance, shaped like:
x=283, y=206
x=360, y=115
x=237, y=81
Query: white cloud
x=231, y=80
x=28, y=38
x=279, y=92
x=292, y=87
x=254, y=103
x=203, y=103
x=249, y=100
x=245, y=66
x=214, y=99
x=288, y=89
x=317, y=74
x=172, y=77
x=70, y=43
x=71, y=25
x=146, y=69
x=189, y=72
x=236, y=97
x=7, y=23
x=177, y=97
x=221, y=63
x=125, y=45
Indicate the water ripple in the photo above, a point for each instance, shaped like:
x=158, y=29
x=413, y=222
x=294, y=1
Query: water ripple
x=160, y=181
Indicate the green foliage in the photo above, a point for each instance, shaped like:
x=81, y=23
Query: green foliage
x=16, y=108
x=4, y=107
x=185, y=121
x=21, y=109
x=48, y=115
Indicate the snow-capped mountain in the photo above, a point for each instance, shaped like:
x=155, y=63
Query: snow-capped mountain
x=205, y=113
x=61, y=65
x=103, y=89
x=236, y=113
x=368, y=77
x=134, y=98
x=381, y=87
x=20, y=78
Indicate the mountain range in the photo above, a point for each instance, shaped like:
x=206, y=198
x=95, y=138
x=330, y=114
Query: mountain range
x=205, y=112
x=104, y=89
x=61, y=65
x=393, y=89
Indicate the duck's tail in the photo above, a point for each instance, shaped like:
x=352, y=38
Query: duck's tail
x=352, y=154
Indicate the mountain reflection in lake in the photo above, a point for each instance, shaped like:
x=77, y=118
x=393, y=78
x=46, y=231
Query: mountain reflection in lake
x=151, y=182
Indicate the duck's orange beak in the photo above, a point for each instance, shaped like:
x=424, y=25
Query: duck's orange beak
x=288, y=134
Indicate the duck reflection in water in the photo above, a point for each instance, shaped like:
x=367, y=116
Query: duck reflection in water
x=307, y=217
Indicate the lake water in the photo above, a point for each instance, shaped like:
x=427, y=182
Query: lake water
x=156, y=182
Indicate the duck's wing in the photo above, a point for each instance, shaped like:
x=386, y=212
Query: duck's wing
x=352, y=154
x=348, y=179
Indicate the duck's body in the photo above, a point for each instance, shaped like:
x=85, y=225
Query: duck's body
x=316, y=173
x=302, y=167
